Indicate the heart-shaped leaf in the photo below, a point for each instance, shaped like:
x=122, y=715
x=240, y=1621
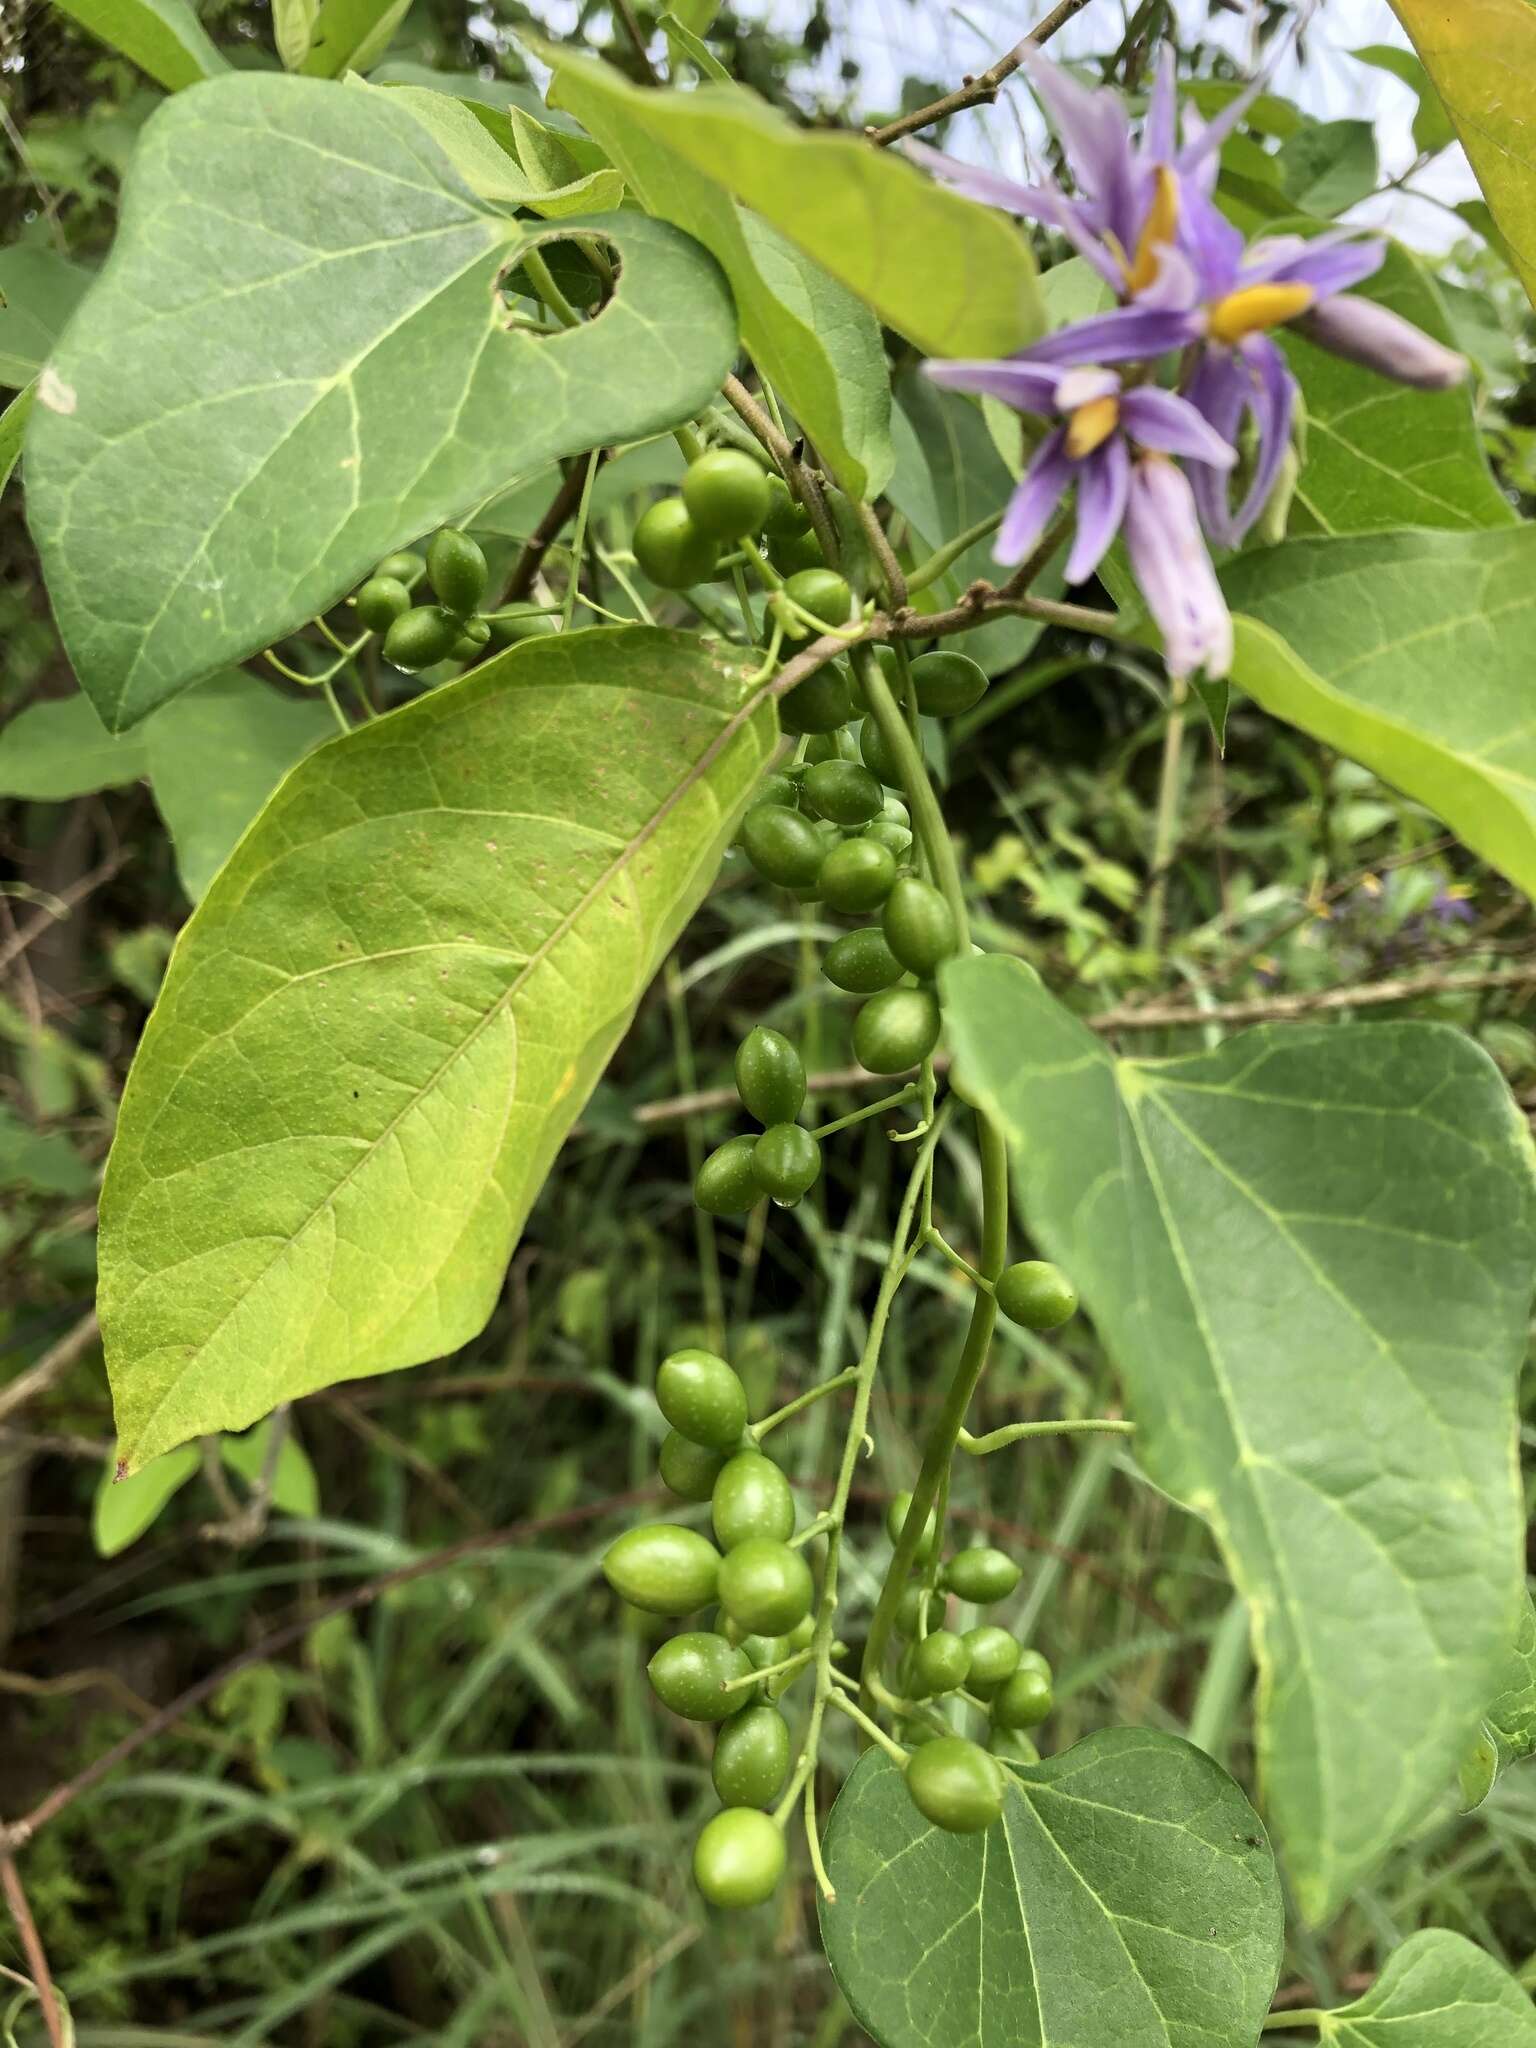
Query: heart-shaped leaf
x=295, y=361
x=1409, y=652
x=1437, y=1991
x=388, y=1010
x=1310, y=1255
x=1127, y=1895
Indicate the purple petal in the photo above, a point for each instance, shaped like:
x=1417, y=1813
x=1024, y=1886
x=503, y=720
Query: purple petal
x=1042, y=489
x=1210, y=242
x=1363, y=332
x=1159, y=137
x=1176, y=288
x=1028, y=387
x=1252, y=378
x=1103, y=482
x=1170, y=424
x=1096, y=136
x=1328, y=267
x=1043, y=202
x=1124, y=336
x=1173, y=569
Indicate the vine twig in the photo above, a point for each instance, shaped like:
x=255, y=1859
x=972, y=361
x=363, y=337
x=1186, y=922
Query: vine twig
x=981, y=89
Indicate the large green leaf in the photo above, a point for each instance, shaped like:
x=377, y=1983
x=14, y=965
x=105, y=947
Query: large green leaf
x=1481, y=55
x=1127, y=1896
x=60, y=748
x=39, y=289
x=384, y=1016
x=1437, y=1991
x=957, y=278
x=1410, y=652
x=1310, y=1255
x=810, y=336
x=350, y=35
x=163, y=37
x=295, y=361
x=1382, y=456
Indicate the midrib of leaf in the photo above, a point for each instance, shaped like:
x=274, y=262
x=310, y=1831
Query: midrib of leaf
x=618, y=866
x=1111, y=1920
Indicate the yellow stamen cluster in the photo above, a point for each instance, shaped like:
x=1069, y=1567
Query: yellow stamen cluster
x=1161, y=226
x=1256, y=307
x=1091, y=426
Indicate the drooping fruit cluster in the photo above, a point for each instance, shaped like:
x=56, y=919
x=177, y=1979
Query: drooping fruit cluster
x=418, y=636
x=763, y=1622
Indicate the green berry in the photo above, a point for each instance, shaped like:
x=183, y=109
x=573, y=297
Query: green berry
x=876, y=756
x=783, y=846
x=1023, y=1700
x=738, y=1859
x=956, y=1785
x=786, y=516
x=765, y=1586
x=687, y=1673
x=896, y=1029
x=896, y=839
x=822, y=593
x=688, y=1469
x=702, y=1399
x=726, y=494
x=751, y=1759
x=857, y=875
x=909, y=1611
x=791, y=553
x=770, y=1076
x=894, y=812
x=820, y=704
x=1036, y=1294
x=860, y=962
x=1013, y=1745
x=843, y=791
x=669, y=547
x=919, y=925
x=947, y=684
x=982, y=1575
x=994, y=1657
x=471, y=642
x=405, y=567
x=726, y=1183
x=787, y=1162
x=663, y=1568
x=777, y=788
x=420, y=638
x=751, y=1498
x=829, y=746
x=799, y=1637
x=940, y=1662
x=381, y=601
x=895, y=1521
x=456, y=569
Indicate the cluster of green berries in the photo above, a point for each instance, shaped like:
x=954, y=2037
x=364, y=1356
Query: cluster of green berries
x=784, y=1160
x=764, y=1589
x=956, y=1783
x=417, y=636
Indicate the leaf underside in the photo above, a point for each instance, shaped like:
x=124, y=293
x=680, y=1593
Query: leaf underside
x=389, y=1009
x=1309, y=1253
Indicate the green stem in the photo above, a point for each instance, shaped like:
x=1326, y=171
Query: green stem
x=689, y=442
x=1315, y=2017
x=871, y=1727
x=578, y=538
x=857, y=1116
x=703, y=1222
x=789, y=1664
x=927, y=817
x=931, y=570
x=1166, y=824
x=1221, y=1688
x=802, y=1401
x=1025, y=1432
x=542, y=280
x=940, y=1243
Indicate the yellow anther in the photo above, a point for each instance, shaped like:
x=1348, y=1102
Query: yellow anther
x=1091, y=426
x=1161, y=226
x=1256, y=307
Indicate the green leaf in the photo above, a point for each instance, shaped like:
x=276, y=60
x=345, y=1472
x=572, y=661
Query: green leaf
x=497, y=159
x=44, y=1161
x=1328, y=166
x=1432, y=130
x=293, y=28
x=1309, y=1253
x=814, y=341
x=1481, y=55
x=1127, y=1895
x=295, y=1489
x=1410, y=652
x=215, y=755
x=1379, y=455
x=60, y=749
x=1508, y=1730
x=1436, y=1991
x=163, y=37
x=125, y=1508
x=387, y=1012
x=271, y=462
x=38, y=292
x=12, y=425
x=351, y=35
x=955, y=277
x=682, y=42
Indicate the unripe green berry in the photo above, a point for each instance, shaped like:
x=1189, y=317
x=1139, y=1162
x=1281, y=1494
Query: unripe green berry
x=702, y=1399
x=787, y=1162
x=751, y=1759
x=751, y=1498
x=765, y=1586
x=896, y=1029
x=456, y=569
x=669, y=547
x=726, y=494
x=956, y=1785
x=770, y=1076
x=994, y=1657
x=919, y=925
x=663, y=1568
x=420, y=638
x=821, y=703
x=1036, y=1294
x=947, y=684
x=405, y=565
x=822, y=593
x=688, y=1469
x=940, y=1662
x=843, y=791
x=895, y=1519
x=861, y=962
x=726, y=1183
x=981, y=1575
x=381, y=601
x=738, y=1859
x=783, y=846
x=857, y=875
x=876, y=756
x=687, y=1674
x=1023, y=1700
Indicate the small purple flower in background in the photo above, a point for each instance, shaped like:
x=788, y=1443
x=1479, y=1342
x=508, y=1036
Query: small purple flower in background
x=1144, y=217
x=1450, y=905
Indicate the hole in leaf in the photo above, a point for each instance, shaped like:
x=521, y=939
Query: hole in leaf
x=563, y=281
